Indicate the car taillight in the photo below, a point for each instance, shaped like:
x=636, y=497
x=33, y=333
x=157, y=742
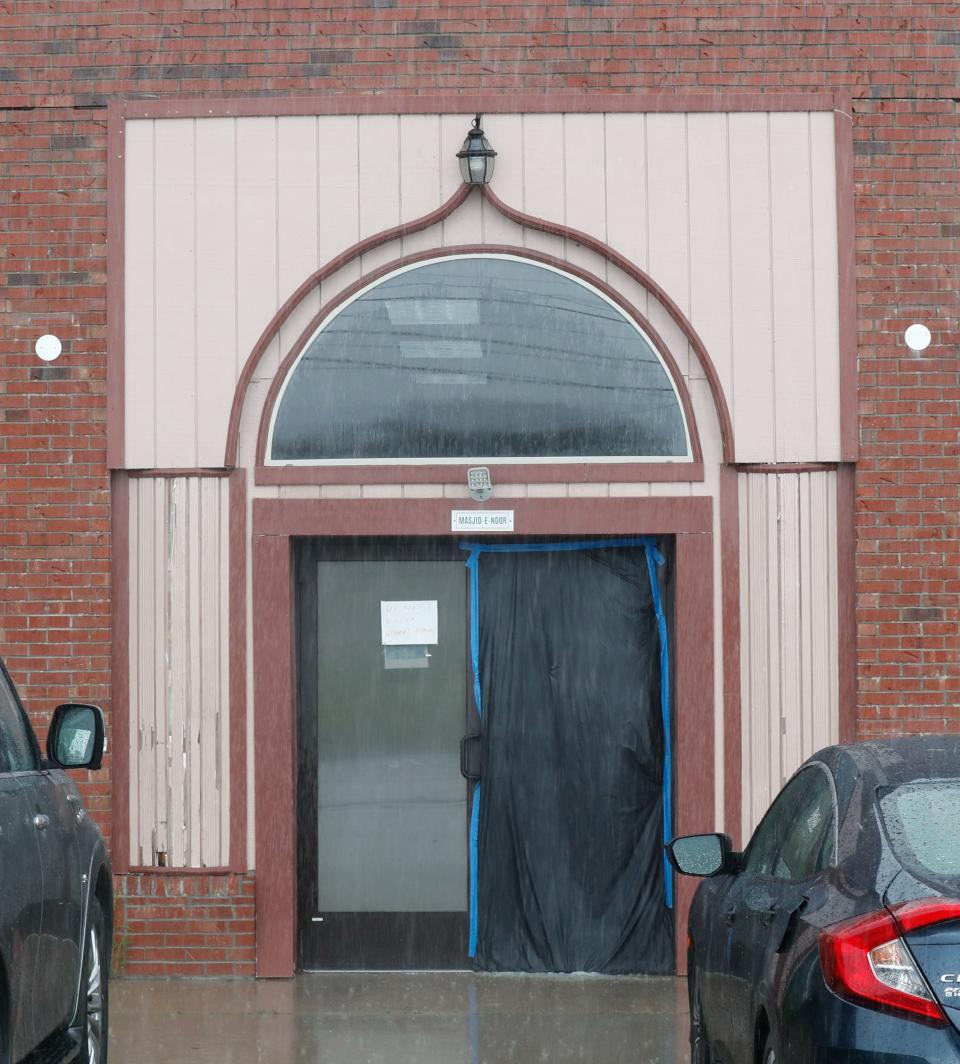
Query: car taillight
x=865, y=961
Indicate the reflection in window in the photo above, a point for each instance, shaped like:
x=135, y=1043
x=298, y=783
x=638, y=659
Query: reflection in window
x=478, y=357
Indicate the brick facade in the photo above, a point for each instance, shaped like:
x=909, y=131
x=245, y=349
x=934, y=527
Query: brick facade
x=62, y=60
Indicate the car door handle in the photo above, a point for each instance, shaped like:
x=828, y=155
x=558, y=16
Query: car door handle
x=77, y=802
x=41, y=821
x=729, y=917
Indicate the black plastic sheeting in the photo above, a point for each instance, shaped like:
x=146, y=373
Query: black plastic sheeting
x=570, y=862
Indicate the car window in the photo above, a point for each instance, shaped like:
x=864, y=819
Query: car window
x=765, y=844
x=921, y=822
x=17, y=750
x=800, y=853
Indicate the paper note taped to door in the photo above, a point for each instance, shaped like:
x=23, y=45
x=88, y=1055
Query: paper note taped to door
x=412, y=623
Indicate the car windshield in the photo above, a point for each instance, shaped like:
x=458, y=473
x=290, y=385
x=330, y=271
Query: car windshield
x=921, y=822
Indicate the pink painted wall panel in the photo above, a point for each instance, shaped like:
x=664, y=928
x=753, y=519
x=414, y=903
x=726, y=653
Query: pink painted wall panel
x=733, y=214
x=218, y=355
x=175, y=406
x=791, y=243
x=709, y=234
x=139, y=292
x=179, y=680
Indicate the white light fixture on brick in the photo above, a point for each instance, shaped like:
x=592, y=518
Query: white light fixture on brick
x=48, y=347
x=917, y=338
x=476, y=156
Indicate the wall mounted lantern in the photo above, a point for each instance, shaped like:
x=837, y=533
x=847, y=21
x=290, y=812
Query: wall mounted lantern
x=917, y=338
x=476, y=156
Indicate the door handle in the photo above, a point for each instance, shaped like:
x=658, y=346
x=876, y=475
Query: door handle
x=470, y=767
x=41, y=821
x=77, y=802
x=729, y=917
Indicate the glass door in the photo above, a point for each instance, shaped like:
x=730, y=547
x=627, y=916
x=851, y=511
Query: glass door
x=383, y=813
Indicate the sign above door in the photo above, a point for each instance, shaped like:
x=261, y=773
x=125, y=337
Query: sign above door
x=481, y=521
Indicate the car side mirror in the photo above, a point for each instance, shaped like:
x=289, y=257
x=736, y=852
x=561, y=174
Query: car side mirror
x=703, y=855
x=77, y=736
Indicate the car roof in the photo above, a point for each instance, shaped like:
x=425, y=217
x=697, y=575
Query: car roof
x=891, y=762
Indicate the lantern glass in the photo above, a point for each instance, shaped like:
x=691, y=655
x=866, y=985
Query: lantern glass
x=476, y=157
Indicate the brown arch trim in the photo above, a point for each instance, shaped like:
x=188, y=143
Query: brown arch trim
x=481, y=249
x=314, y=281
x=528, y=221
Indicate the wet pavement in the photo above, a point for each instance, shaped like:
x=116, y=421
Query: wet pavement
x=401, y=1018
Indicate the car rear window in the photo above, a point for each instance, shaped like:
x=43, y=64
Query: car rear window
x=921, y=821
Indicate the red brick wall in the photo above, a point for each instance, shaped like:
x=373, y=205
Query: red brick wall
x=184, y=925
x=63, y=59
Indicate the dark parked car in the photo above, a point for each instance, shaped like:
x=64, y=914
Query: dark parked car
x=835, y=937
x=55, y=890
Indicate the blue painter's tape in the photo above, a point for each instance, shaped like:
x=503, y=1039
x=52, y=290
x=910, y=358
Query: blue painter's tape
x=655, y=558
x=474, y=844
x=474, y=568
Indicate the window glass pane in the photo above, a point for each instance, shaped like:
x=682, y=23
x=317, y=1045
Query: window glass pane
x=16, y=749
x=478, y=358
x=765, y=844
x=921, y=821
x=798, y=855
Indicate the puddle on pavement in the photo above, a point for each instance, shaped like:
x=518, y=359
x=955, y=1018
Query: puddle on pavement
x=402, y=1018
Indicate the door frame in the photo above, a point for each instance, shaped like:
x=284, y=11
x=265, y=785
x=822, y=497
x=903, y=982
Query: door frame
x=424, y=935
x=277, y=521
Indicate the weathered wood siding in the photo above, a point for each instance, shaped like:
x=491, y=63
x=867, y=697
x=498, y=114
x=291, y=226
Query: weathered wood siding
x=179, y=678
x=788, y=624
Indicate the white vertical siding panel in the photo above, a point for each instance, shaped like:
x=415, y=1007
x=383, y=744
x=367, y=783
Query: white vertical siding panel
x=257, y=265
x=774, y=698
x=584, y=185
x=668, y=221
x=175, y=251
x=297, y=219
x=789, y=596
x=338, y=189
x=419, y=174
x=139, y=345
x=543, y=188
x=135, y=701
x=826, y=294
x=625, y=165
x=506, y=134
x=161, y=652
x=791, y=249
x=194, y=713
x=221, y=639
x=178, y=665
x=710, y=241
x=752, y=405
x=210, y=696
x=217, y=357
x=379, y=169
x=812, y=592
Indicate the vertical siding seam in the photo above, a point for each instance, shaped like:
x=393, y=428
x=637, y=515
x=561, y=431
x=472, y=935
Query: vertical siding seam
x=155, y=360
x=276, y=216
x=776, y=678
x=687, y=198
x=196, y=306
x=773, y=288
x=646, y=197
x=813, y=292
x=236, y=251
x=316, y=156
x=733, y=348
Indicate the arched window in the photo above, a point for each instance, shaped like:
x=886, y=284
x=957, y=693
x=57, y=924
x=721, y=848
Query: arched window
x=477, y=357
